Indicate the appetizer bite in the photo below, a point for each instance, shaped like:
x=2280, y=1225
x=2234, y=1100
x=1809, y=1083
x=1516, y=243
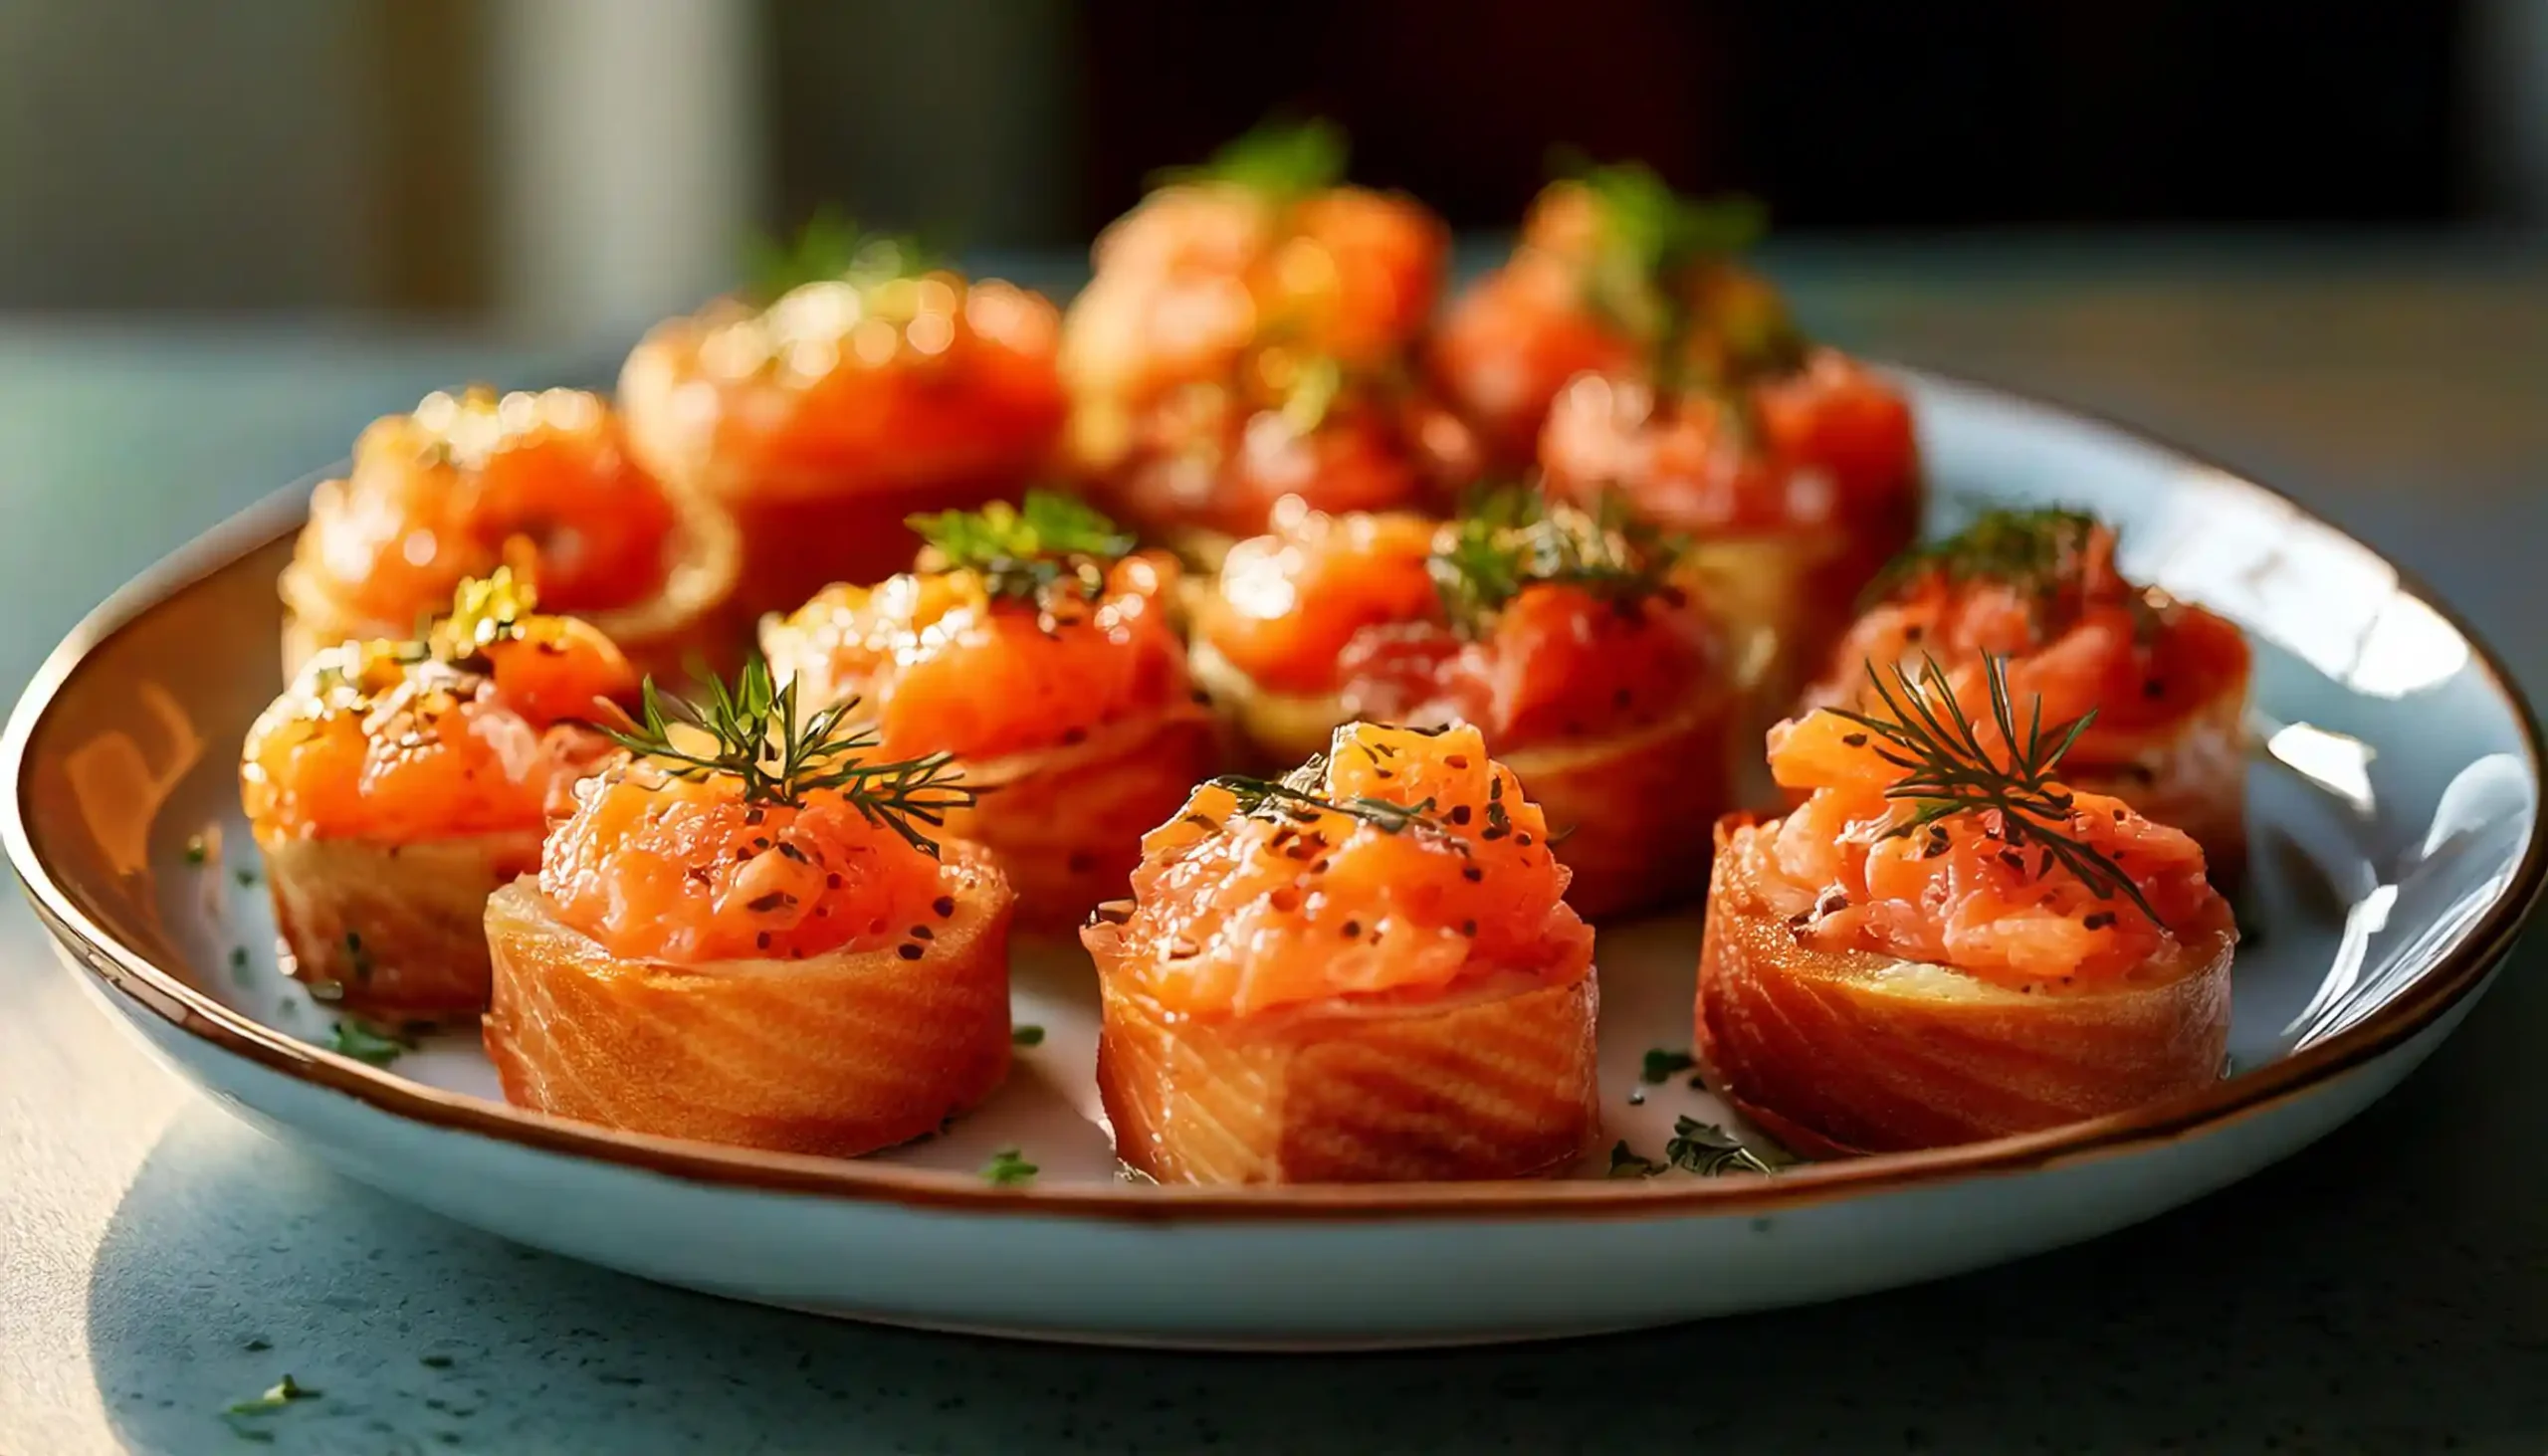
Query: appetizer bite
x=1036, y=648
x=1245, y=337
x=394, y=785
x=1559, y=632
x=2167, y=681
x=1792, y=466
x=745, y=933
x=857, y=383
x=1366, y=971
x=542, y=484
x=1946, y=941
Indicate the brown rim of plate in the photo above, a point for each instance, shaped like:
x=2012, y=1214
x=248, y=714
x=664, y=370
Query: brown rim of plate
x=169, y=998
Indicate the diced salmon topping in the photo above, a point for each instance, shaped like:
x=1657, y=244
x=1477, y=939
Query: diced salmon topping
x=405, y=741
x=1355, y=606
x=2040, y=588
x=1979, y=890
x=944, y=662
x=655, y=867
x=474, y=480
x=1405, y=862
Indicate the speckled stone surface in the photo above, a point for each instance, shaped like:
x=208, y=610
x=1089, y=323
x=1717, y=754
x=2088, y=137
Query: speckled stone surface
x=2386, y=1290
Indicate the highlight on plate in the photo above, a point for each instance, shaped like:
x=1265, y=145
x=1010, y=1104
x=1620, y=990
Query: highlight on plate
x=773, y=910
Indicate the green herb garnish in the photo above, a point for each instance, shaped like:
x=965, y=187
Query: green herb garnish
x=361, y=1042
x=282, y=1393
x=1661, y=1063
x=1697, y=1147
x=1708, y=1150
x=1507, y=540
x=1644, y=273
x=1009, y=1168
x=197, y=850
x=1049, y=542
x=2035, y=551
x=1951, y=772
x=1029, y=1035
x=1284, y=160
x=1627, y=1164
x=1295, y=797
x=754, y=737
x=830, y=246
x=245, y=878
x=1316, y=385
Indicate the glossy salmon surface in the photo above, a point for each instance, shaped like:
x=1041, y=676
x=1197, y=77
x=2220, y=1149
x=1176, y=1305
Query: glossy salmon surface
x=1366, y=971
x=1607, y=695
x=541, y=483
x=823, y=415
x=1876, y=981
x=2167, y=680
x=1067, y=704
x=397, y=784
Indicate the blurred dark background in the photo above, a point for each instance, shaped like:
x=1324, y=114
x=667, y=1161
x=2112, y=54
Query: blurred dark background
x=566, y=163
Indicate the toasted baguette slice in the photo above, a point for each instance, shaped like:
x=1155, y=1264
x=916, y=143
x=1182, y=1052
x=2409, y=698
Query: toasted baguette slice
x=1786, y=600
x=1495, y=1080
x=394, y=931
x=1635, y=812
x=1844, y=1052
x=691, y=618
x=1067, y=823
x=835, y=1055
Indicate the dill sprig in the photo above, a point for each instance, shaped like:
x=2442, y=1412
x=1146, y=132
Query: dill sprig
x=754, y=737
x=1657, y=274
x=832, y=247
x=1284, y=160
x=1509, y=539
x=1295, y=798
x=1949, y=771
x=1028, y=551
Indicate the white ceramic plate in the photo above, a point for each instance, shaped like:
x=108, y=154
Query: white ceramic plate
x=2393, y=809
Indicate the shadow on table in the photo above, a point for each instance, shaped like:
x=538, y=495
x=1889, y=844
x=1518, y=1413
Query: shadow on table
x=2244, y=1323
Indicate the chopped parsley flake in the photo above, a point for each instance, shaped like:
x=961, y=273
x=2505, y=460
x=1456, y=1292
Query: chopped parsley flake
x=1008, y=1169
x=361, y=1042
x=1627, y=1164
x=197, y=851
x=1029, y=1035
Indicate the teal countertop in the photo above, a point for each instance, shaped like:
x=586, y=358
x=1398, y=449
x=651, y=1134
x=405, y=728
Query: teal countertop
x=2385, y=1291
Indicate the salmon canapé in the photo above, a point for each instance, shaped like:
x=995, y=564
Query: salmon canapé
x=1266, y=240
x=2168, y=681
x=1612, y=267
x=1363, y=972
x=1945, y=941
x=1559, y=632
x=540, y=483
x=1245, y=339
x=394, y=785
x=856, y=383
x=1794, y=468
x=1036, y=647
x=745, y=933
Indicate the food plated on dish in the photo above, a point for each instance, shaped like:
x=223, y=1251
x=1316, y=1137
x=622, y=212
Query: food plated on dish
x=542, y=484
x=1248, y=336
x=1563, y=633
x=1034, y=646
x=745, y=933
x=395, y=785
x=1279, y=1046
x=857, y=382
x=1946, y=940
x=1364, y=970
